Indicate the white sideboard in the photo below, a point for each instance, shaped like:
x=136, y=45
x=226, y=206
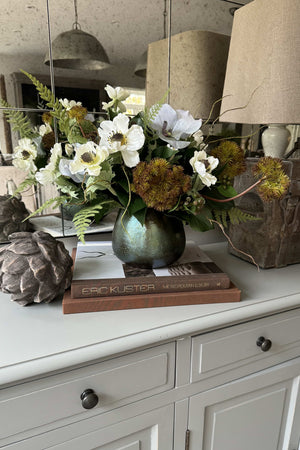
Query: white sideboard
x=198, y=377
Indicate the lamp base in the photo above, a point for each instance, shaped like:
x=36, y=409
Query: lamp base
x=275, y=140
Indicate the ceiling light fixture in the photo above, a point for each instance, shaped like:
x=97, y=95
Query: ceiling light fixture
x=76, y=49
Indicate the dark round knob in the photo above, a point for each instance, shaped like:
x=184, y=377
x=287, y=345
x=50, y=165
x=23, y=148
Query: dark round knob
x=89, y=399
x=264, y=344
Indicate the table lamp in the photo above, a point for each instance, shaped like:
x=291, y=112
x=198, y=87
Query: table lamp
x=197, y=69
x=262, y=83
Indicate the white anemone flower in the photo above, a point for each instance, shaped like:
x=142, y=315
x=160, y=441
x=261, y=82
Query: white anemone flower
x=69, y=104
x=45, y=129
x=203, y=165
x=175, y=127
x=24, y=155
x=49, y=173
x=88, y=158
x=116, y=136
x=117, y=95
x=199, y=138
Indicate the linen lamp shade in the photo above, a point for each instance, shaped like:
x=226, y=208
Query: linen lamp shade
x=262, y=84
x=197, y=71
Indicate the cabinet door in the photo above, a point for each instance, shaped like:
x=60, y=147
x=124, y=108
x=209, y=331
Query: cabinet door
x=255, y=412
x=149, y=431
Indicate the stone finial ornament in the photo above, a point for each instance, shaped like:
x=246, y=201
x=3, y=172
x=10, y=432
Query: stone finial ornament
x=12, y=214
x=34, y=268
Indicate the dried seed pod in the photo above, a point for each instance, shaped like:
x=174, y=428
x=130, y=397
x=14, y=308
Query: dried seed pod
x=12, y=214
x=34, y=268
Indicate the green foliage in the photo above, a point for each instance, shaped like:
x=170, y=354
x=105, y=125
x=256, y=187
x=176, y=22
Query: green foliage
x=151, y=113
x=67, y=187
x=83, y=218
x=233, y=215
x=198, y=222
x=53, y=202
x=227, y=191
x=27, y=183
x=46, y=94
x=163, y=152
x=19, y=121
x=101, y=182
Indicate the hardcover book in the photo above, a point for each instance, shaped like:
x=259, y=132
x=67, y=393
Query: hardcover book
x=99, y=273
x=82, y=305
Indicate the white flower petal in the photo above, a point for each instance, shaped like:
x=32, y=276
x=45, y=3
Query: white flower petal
x=106, y=127
x=121, y=94
x=213, y=162
x=135, y=138
x=185, y=125
x=122, y=107
x=165, y=114
x=111, y=92
x=121, y=122
x=64, y=168
x=208, y=179
x=174, y=143
x=131, y=159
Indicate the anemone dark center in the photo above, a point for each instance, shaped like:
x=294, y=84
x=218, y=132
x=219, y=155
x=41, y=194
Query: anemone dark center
x=119, y=137
x=87, y=157
x=25, y=154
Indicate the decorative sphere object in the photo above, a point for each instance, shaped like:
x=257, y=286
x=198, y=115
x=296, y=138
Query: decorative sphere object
x=34, y=268
x=12, y=214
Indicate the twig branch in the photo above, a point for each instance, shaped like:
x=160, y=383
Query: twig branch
x=230, y=242
x=225, y=200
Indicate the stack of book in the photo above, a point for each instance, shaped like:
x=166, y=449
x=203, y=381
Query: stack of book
x=102, y=282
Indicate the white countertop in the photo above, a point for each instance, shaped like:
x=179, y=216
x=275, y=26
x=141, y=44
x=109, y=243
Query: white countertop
x=38, y=339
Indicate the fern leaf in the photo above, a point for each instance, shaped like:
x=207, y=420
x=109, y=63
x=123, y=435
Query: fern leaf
x=58, y=111
x=233, y=215
x=151, y=113
x=54, y=202
x=236, y=216
x=83, y=218
x=19, y=121
x=27, y=183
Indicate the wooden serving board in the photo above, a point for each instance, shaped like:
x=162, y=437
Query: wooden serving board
x=82, y=305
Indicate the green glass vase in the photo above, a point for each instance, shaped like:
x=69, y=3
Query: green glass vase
x=157, y=243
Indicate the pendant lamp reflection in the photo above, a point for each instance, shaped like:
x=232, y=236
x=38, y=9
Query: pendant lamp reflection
x=141, y=66
x=76, y=49
x=140, y=69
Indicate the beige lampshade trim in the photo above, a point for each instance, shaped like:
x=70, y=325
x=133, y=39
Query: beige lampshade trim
x=263, y=69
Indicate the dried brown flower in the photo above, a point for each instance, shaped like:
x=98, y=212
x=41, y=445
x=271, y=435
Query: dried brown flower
x=275, y=182
x=48, y=140
x=232, y=157
x=77, y=112
x=47, y=118
x=159, y=183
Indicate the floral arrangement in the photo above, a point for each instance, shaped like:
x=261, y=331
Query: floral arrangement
x=157, y=159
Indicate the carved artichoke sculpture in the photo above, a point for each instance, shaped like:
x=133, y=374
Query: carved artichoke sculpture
x=12, y=214
x=34, y=268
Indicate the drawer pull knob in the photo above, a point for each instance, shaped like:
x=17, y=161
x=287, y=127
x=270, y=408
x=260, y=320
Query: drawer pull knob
x=89, y=399
x=264, y=344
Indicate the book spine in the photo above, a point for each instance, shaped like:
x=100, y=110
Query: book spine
x=77, y=305
x=129, y=286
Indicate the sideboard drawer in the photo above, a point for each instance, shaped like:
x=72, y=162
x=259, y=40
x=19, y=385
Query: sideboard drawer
x=230, y=348
x=116, y=382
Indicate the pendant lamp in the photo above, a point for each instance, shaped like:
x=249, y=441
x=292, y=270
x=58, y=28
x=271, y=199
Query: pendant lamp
x=76, y=49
